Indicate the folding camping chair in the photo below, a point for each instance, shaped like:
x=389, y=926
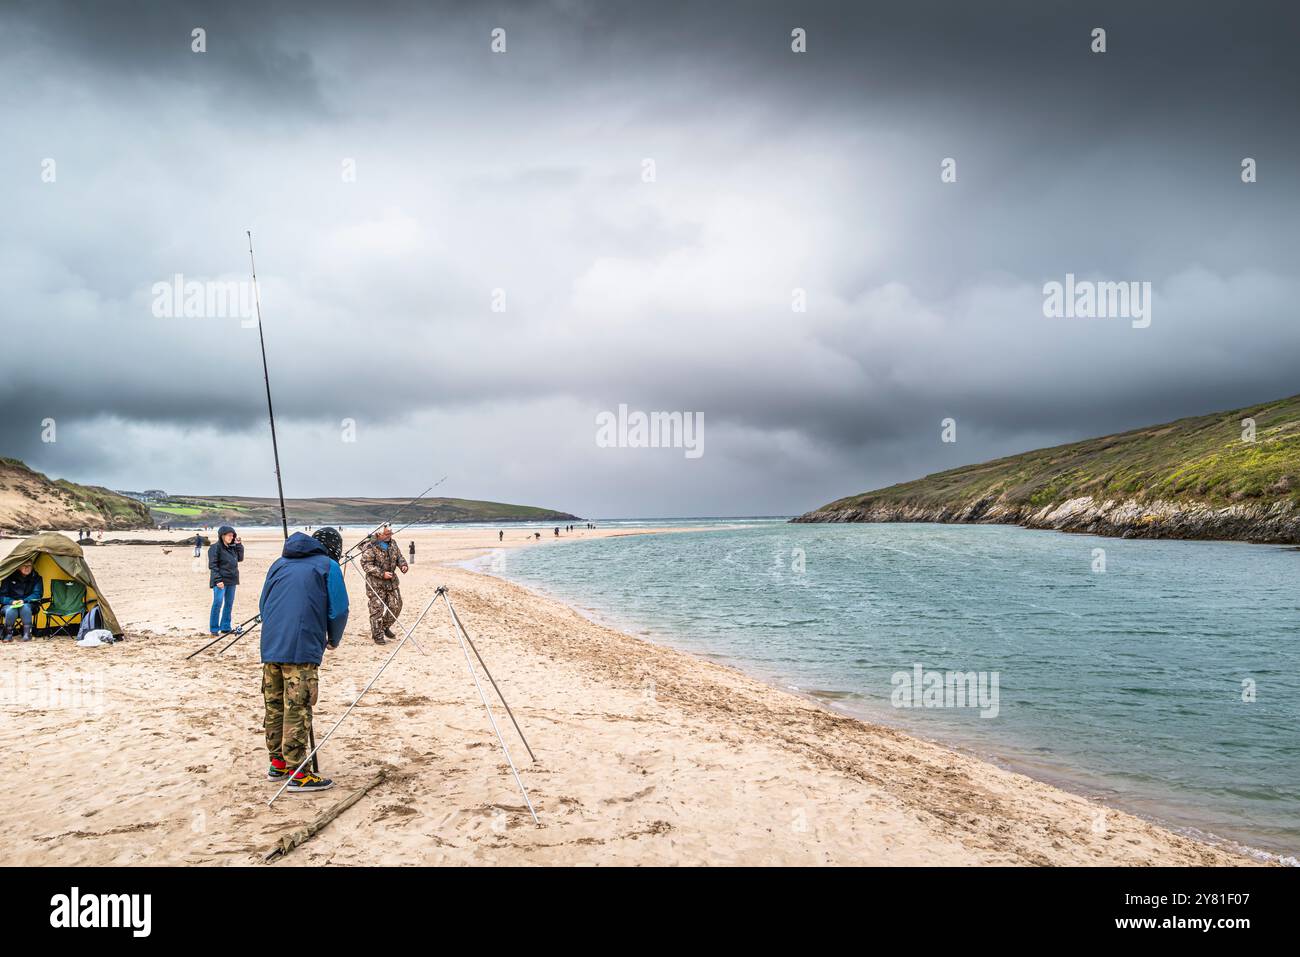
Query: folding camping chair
x=64, y=608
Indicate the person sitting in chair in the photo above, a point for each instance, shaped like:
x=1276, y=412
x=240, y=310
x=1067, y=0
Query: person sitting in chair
x=19, y=593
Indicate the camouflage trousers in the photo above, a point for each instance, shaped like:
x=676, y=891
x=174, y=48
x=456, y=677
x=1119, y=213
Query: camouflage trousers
x=378, y=596
x=290, y=692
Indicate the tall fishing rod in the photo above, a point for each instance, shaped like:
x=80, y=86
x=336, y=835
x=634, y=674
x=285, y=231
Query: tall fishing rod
x=393, y=517
x=416, y=521
x=266, y=377
x=348, y=555
x=275, y=450
x=365, y=538
x=246, y=627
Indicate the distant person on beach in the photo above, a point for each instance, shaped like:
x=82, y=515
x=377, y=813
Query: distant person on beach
x=304, y=608
x=19, y=594
x=198, y=544
x=557, y=531
x=501, y=536
x=224, y=556
x=412, y=553
x=380, y=560
x=537, y=535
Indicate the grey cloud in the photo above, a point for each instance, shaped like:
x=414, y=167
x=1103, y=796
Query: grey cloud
x=523, y=173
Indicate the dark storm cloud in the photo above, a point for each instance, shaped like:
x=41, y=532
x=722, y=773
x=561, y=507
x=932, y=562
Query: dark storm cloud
x=1163, y=65
x=521, y=173
x=252, y=59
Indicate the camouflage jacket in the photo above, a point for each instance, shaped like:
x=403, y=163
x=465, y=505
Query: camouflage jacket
x=375, y=560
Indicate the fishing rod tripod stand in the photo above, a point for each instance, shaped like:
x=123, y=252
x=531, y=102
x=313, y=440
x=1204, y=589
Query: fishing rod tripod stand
x=466, y=644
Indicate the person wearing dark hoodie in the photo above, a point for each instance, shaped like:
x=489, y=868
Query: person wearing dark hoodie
x=304, y=607
x=224, y=556
x=20, y=593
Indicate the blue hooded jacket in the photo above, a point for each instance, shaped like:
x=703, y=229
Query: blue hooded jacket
x=304, y=604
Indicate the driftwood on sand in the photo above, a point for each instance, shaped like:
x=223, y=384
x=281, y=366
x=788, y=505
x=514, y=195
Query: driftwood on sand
x=145, y=541
x=300, y=836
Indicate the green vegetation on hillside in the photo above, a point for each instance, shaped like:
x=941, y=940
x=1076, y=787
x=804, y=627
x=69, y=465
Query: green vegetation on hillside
x=40, y=502
x=237, y=510
x=1202, y=459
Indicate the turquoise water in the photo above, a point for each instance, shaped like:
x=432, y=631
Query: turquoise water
x=1124, y=684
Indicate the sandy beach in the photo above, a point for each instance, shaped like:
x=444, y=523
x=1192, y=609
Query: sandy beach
x=130, y=754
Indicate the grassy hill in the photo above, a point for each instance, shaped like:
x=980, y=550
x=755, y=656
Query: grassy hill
x=1193, y=478
x=191, y=510
x=30, y=501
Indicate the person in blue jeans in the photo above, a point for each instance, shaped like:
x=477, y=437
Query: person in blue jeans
x=19, y=594
x=224, y=557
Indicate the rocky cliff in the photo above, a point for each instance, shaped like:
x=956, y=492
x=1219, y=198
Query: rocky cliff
x=1277, y=523
x=1230, y=475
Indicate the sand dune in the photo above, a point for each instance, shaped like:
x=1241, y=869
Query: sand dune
x=131, y=755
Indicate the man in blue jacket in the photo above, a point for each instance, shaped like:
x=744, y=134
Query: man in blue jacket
x=304, y=608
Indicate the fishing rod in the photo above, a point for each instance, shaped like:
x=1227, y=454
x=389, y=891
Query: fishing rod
x=238, y=630
x=266, y=377
x=251, y=624
x=348, y=555
x=240, y=633
x=315, y=747
x=390, y=521
x=275, y=449
x=415, y=521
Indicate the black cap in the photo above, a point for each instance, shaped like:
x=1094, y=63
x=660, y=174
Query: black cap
x=331, y=539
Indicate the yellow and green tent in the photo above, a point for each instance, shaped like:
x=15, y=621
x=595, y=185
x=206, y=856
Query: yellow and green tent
x=67, y=582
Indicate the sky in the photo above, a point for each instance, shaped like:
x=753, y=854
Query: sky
x=466, y=256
